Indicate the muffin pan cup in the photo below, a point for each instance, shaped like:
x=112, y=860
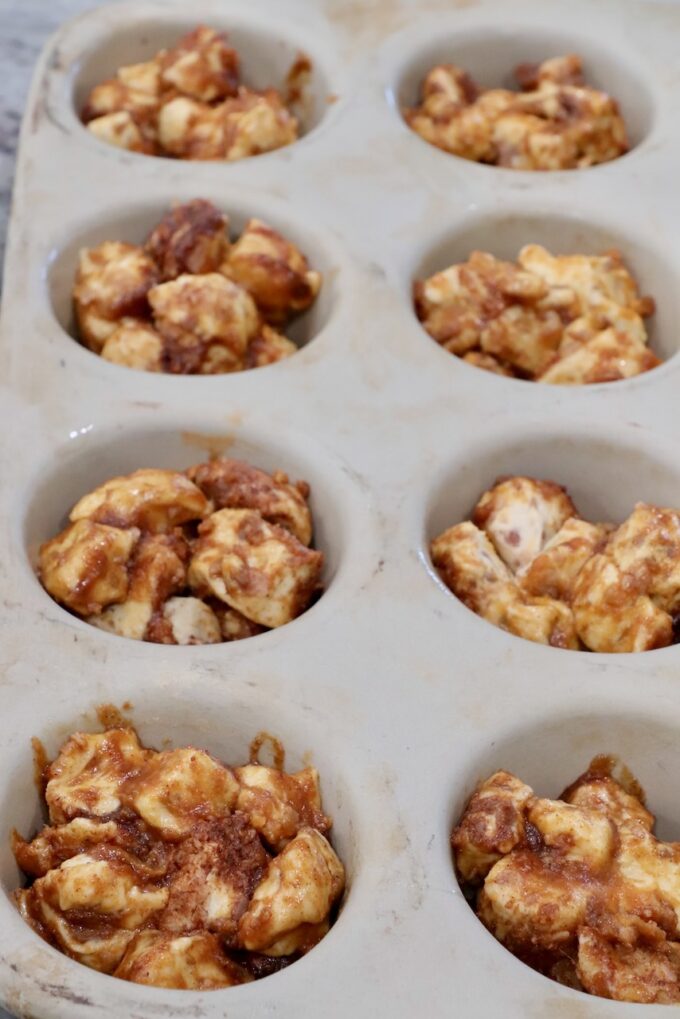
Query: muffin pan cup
x=399, y=695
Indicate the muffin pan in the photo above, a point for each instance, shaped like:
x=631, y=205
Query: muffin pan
x=400, y=696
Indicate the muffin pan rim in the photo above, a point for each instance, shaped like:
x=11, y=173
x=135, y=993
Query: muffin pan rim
x=63, y=82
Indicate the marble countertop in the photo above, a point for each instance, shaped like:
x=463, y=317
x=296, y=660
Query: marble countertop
x=24, y=27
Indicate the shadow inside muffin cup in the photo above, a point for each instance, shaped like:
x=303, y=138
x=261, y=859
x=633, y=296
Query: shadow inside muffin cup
x=604, y=476
x=503, y=235
x=549, y=754
x=267, y=56
x=190, y=717
x=491, y=55
x=133, y=223
x=89, y=460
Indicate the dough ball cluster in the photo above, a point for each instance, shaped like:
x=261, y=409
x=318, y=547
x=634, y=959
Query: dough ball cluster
x=556, y=121
x=188, y=102
x=191, y=301
x=219, y=552
x=528, y=563
x=192, y=874
x=578, y=887
x=560, y=319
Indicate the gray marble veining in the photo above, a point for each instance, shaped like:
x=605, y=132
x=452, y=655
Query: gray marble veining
x=24, y=27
